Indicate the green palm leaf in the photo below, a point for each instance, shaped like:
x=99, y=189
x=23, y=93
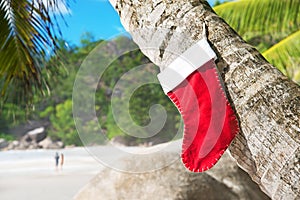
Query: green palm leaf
x=27, y=34
x=269, y=21
x=285, y=56
x=267, y=16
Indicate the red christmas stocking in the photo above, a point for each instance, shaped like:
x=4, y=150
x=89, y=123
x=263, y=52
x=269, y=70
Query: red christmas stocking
x=193, y=84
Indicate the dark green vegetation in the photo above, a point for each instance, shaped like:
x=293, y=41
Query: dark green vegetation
x=56, y=108
x=37, y=86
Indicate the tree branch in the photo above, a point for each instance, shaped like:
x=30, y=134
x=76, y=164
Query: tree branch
x=266, y=102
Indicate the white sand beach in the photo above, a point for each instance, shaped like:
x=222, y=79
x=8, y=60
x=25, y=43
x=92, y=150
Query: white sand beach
x=31, y=174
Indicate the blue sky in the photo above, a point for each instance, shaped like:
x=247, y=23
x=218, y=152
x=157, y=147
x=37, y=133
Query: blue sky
x=95, y=16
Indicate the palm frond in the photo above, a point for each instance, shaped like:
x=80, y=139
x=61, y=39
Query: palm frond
x=27, y=35
x=261, y=16
x=285, y=56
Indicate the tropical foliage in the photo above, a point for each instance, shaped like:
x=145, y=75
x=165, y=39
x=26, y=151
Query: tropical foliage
x=57, y=107
x=33, y=59
x=28, y=36
x=273, y=26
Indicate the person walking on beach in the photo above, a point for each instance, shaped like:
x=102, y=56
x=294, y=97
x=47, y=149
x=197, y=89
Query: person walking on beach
x=62, y=159
x=56, y=159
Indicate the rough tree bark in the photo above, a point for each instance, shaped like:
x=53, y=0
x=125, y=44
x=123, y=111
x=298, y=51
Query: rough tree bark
x=266, y=102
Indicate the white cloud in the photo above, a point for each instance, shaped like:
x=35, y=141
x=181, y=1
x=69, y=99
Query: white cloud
x=63, y=8
x=60, y=7
x=120, y=29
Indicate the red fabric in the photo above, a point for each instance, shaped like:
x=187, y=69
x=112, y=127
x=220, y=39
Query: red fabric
x=210, y=123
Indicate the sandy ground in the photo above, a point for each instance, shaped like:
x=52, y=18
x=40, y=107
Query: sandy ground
x=31, y=174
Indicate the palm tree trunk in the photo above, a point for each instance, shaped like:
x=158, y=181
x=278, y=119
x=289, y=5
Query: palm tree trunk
x=266, y=102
